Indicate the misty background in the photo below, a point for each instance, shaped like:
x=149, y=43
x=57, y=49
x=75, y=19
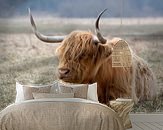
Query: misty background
x=23, y=56
x=82, y=8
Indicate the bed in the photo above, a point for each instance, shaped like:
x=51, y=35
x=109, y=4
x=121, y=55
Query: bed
x=60, y=114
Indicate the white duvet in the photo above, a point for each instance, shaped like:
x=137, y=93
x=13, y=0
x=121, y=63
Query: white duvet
x=59, y=114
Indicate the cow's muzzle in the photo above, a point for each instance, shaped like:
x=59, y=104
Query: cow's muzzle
x=63, y=72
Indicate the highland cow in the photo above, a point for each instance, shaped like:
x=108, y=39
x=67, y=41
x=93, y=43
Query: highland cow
x=87, y=58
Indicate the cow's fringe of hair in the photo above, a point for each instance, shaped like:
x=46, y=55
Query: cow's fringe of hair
x=73, y=48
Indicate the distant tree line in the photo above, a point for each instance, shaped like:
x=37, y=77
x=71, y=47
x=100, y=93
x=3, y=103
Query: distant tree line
x=83, y=8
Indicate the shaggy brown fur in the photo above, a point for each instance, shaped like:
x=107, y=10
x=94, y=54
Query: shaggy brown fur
x=89, y=62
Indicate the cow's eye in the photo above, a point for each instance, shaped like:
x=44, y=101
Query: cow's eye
x=95, y=43
x=83, y=56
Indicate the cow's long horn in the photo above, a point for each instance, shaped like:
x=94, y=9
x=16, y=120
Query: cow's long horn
x=42, y=37
x=97, y=30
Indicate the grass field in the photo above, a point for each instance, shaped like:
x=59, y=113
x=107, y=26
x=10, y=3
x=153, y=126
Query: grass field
x=23, y=56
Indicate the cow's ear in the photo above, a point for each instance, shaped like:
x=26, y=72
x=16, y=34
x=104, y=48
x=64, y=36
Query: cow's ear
x=109, y=51
x=105, y=50
x=95, y=43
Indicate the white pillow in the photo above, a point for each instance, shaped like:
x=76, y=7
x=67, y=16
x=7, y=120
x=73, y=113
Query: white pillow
x=92, y=92
x=79, y=90
x=24, y=92
x=53, y=95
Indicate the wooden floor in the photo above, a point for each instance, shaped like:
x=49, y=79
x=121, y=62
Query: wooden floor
x=147, y=121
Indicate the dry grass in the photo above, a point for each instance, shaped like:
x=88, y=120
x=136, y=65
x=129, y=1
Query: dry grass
x=23, y=56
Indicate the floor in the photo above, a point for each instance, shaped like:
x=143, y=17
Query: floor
x=147, y=121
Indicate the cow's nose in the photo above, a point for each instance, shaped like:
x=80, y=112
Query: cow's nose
x=63, y=71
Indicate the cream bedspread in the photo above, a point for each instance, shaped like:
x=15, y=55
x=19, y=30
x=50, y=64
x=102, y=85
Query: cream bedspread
x=59, y=114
